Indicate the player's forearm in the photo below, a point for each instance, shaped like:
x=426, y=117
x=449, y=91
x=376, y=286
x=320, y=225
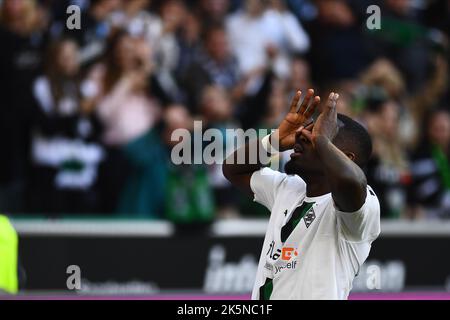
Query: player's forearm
x=244, y=160
x=347, y=181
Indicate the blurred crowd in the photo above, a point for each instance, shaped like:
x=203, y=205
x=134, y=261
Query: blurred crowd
x=87, y=114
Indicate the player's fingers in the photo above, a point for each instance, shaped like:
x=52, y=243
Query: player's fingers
x=306, y=101
x=330, y=105
x=302, y=129
x=312, y=108
x=310, y=126
x=298, y=132
x=333, y=107
x=307, y=134
x=295, y=101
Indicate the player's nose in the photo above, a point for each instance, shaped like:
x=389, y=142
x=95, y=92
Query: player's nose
x=300, y=138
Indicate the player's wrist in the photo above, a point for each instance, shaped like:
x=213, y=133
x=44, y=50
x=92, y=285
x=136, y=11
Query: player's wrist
x=320, y=140
x=270, y=143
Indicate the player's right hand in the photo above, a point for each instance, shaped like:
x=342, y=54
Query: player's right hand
x=295, y=119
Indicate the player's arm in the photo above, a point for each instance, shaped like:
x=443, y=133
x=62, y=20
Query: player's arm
x=239, y=174
x=347, y=181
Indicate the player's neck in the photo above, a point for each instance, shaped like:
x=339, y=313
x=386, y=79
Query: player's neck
x=317, y=187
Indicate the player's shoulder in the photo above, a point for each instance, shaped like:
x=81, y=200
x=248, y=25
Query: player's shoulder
x=278, y=178
x=370, y=205
x=371, y=195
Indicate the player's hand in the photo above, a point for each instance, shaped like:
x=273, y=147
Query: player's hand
x=295, y=120
x=326, y=125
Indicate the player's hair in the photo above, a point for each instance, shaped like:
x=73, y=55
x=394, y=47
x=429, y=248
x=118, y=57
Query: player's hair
x=353, y=137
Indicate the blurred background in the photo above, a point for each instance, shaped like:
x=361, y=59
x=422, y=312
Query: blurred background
x=86, y=117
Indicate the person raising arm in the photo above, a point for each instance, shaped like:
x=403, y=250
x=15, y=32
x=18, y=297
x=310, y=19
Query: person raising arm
x=239, y=174
x=324, y=216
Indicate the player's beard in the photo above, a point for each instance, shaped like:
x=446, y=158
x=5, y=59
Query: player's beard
x=301, y=168
x=293, y=167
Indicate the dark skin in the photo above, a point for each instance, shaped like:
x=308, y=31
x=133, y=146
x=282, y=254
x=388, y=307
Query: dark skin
x=324, y=166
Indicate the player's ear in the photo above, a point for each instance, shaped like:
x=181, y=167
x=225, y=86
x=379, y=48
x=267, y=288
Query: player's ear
x=350, y=155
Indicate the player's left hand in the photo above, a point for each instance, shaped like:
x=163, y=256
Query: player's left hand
x=326, y=125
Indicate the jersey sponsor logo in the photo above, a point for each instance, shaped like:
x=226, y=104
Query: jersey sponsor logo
x=285, y=253
x=272, y=253
x=290, y=265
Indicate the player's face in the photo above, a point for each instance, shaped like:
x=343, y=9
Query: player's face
x=304, y=159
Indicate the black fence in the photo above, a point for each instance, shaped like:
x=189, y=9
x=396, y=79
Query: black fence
x=221, y=259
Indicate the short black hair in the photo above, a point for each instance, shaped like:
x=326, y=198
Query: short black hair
x=353, y=137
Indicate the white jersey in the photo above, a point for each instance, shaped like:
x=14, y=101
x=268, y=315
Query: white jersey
x=311, y=249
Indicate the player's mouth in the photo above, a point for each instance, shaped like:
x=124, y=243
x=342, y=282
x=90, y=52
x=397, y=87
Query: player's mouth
x=298, y=151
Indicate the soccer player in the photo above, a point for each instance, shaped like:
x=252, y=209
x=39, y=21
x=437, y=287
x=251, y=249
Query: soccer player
x=324, y=216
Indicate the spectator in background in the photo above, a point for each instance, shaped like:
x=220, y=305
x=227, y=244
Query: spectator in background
x=403, y=40
x=167, y=52
x=118, y=90
x=276, y=105
x=388, y=169
x=216, y=107
x=300, y=75
x=260, y=60
x=190, y=43
x=135, y=18
x=188, y=196
x=430, y=192
x=263, y=52
x=65, y=149
x=23, y=38
x=276, y=110
x=271, y=34
x=214, y=65
x=286, y=36
x=217, y=110
x=250, y=46
x=413, y=105
x=213, y=12
x=338, y=48
x=96, y=27
x=345, y=104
